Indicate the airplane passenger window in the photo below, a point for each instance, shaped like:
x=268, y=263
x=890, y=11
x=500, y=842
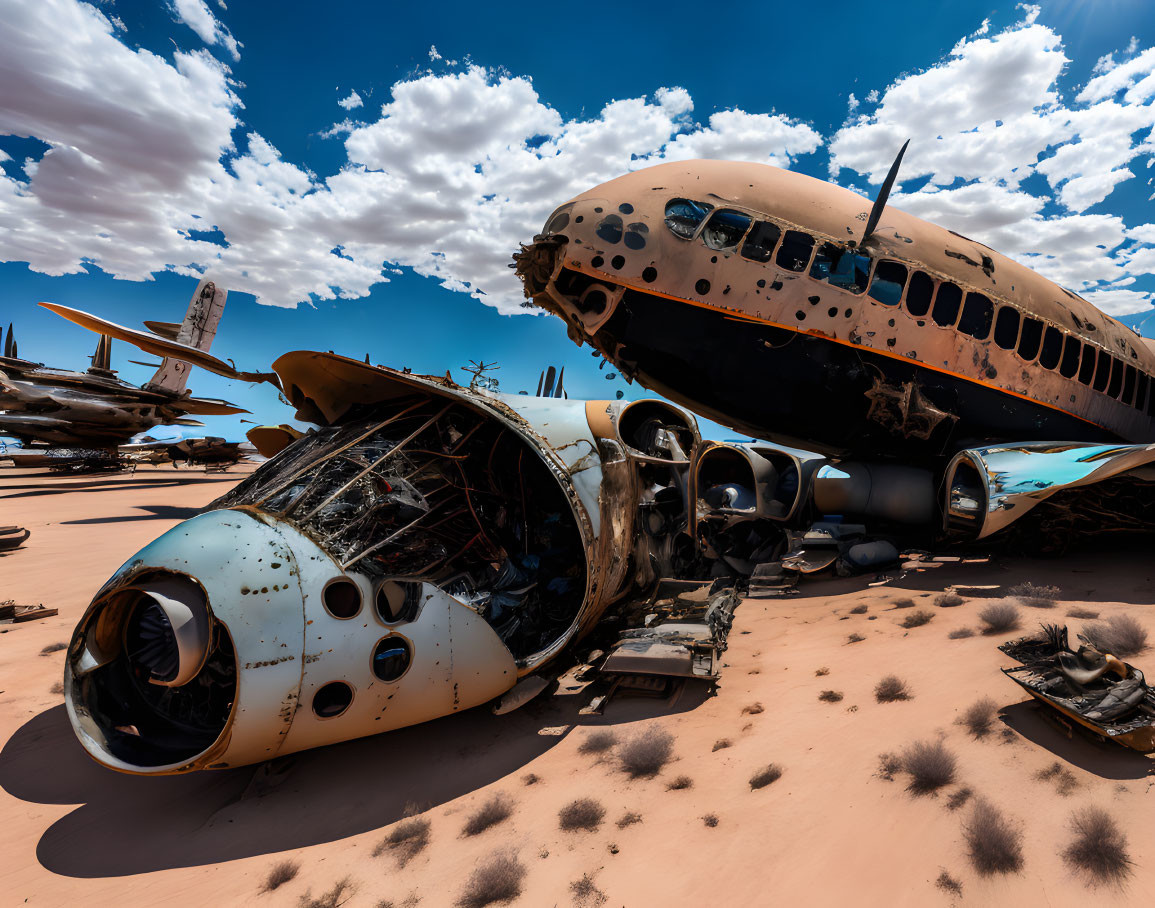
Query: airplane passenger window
x=919, y=293
x=1052, y=348
x=1087, y=369
x=1070, y=362
x=843, y=268
x=1128, y=384
x=976, y=316
x=1116, y=385
x=1007, y=327
x=1030, y=338
x=1141, y=390
x=684, y=216
x=1103, y=371
x=946, y=304
x=759, y=245
x=794, y=253
x=1151, y=401
x=889, y=282
x=725, y=229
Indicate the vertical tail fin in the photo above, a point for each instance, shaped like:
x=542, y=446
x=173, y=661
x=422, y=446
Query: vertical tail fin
x=102, y=358
x=197, y=330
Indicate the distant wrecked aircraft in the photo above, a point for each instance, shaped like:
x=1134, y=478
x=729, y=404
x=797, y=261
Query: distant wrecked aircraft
x=96, y=410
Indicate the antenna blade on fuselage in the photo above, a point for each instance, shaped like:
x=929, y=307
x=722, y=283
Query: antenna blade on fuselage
x=883, y=194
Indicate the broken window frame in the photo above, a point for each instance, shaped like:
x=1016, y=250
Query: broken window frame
x=759, y=225
x=1069, y=360
x=838, y=255
x=719, y=214
x=804, y=265
x=1051, y=347
x=930, y=300
x=1018, y=327
x=708, y=208
x=874, y=280
x=1102, y=371
x=1090, y=358
x=971, y=302
x=1028, y=322
x=1115, y=386
x=1141, y=385
x=1128, y=384
x=938, y=297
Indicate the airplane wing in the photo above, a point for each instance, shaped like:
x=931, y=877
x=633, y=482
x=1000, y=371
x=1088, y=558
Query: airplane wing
x=159, y=346
x=204, y=406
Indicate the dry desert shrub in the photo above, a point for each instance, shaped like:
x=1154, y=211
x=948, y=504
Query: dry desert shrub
x=710, y=819
x=1080, y=612
x=1099, y=849
x=948, y=599
x=646, y=753
x=752, y=710
x=1119, y=635
x=597, y=742
x=584, y=813
x=948, y=883
x=960, y=633
x=821, y=672
x=1035, y=596
x=930, y=765
x=279, y=874
x=999, y=617
x=721, y=744
x=993, y=844
x=979, y=716
x=494, y=811
x=497, y=880
x=958, y=798
x=53, y=648
x=680, y=783
x=858, y=610
x=341, y=892
x=765, y=776
x=904, y=602
x=629, y=819
x=531, y=778
x=888, y=765
x=586, y=893
x=830, y=696
x=917, y=619
x=1064, y=779
x=411, y=901
x=855, y=638
x=57, y=689
x=407, y=839
x=890, y=689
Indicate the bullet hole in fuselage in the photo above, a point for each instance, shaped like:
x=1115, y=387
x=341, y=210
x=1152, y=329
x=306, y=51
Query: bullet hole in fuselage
x=597, y=261
x=618, y=262
x=702, y=287
x=650, y=274
x=813, y=300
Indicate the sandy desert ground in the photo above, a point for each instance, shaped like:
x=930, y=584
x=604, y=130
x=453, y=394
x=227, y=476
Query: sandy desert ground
x=830, y=831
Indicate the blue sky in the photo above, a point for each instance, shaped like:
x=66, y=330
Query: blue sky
x=155, y=141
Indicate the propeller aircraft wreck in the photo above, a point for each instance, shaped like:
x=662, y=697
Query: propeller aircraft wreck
x=94, y=411
x=429, y=547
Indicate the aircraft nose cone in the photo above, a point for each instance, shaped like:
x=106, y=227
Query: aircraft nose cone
x=234, y=637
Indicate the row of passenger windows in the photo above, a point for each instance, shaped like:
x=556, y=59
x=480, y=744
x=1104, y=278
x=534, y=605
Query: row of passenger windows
x=726, y=230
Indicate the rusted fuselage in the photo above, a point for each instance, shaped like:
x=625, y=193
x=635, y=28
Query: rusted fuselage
x=741, y=291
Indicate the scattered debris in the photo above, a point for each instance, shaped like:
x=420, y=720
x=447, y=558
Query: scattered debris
x=12, y=537
x=281, y=873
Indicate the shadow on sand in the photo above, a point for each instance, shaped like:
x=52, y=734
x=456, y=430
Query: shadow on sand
x=152, y=512
x=1108, y=761
x=112, y=485
x=132, y=824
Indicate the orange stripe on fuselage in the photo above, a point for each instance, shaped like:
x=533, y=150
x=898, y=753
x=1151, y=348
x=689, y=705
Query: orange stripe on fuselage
x=740, y=316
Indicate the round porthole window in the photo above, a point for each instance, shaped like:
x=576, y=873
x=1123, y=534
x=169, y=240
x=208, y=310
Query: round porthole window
x=391, y=657
x=332, y=699
x=397, y=600
x=342, y=598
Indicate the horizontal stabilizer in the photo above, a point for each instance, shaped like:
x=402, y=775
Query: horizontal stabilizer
x=205, y=406
x=184, y=421
x=168, y=330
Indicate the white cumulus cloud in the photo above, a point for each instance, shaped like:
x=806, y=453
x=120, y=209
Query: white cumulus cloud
x=197, y=16
x=354, y=100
